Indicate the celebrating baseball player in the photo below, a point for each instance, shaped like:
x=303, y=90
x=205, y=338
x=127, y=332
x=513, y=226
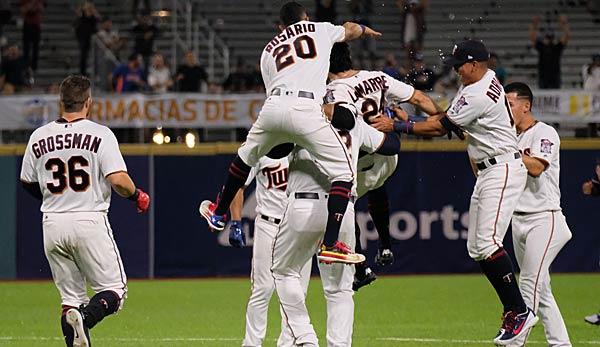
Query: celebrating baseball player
x=271, y=182
x=70, y=165
x=294, y=66
x=481, y=109
x=369, y=92
x=301, y=231
x=539, y=227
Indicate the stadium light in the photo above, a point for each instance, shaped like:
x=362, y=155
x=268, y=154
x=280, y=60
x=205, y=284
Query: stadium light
x=158, y=137
x=167, y=139
x=190, y=139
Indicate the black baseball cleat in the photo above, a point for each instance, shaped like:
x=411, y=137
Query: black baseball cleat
x=384, y=257
x=81, y=337
x=361, y=280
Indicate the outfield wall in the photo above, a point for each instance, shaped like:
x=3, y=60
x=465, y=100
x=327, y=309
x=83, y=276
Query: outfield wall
x=429, y=202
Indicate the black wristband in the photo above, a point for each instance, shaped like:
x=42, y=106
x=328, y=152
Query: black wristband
x=134, y=196
x=403, y=127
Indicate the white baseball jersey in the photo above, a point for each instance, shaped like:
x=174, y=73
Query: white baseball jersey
x=302, y=49
x=306, y=174
x=271, y=182
x=541, y=193
x=481, y=110
x=71, y=160
x=368, y=91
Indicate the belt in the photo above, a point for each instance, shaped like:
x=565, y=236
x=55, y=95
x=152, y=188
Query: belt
x=484, y=164
x=270, y=219
x=301, y=93
x=314, y=196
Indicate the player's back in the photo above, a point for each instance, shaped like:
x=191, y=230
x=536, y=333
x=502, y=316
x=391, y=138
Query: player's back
x=368, y=91
x=70, y=161
x=297, y=59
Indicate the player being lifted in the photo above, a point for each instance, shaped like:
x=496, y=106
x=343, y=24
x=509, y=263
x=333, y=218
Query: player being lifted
x=294, y=66
x=70, y=164
x=369, y=92
x=481, y=109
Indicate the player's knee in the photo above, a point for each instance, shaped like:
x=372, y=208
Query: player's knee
x=481, y=250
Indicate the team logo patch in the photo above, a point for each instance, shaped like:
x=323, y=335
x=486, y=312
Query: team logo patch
x=328, y=98
x=459, y=104
x=546, y=146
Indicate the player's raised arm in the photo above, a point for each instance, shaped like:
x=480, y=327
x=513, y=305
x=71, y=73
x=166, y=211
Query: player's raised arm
x=425, y=103
x=355, y=31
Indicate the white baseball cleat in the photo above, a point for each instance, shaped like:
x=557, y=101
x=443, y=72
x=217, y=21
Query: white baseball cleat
x=75, y=320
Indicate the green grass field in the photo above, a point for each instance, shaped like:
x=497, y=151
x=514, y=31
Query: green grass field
x=394, y=311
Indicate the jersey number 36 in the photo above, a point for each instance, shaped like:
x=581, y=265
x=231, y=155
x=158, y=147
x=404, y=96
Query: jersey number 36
x=75, y=177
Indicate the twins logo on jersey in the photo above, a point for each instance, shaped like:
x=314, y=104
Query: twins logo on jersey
x=277, y=176
x=459, y=104
x=546, y=146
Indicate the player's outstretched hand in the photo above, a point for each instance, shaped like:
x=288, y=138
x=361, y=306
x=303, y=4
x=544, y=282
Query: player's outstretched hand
x=383, y=124
x=237, y=238
x=142, y=200
x=370, y=32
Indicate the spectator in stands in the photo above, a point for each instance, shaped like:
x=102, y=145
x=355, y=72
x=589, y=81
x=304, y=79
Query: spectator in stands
x=5, y=17
x=591, y=74
x=159, y=76
x=413, y=24
x=144, y=33
x=32, y=10
x=107, y=58
x=495, y=65
x=129, y=77
x=136, y=5
x=325, y=11
x=549, y=51
x=13, y=71
x=391, y=66
x=239, y=80
x=86, y=25
x=420, y=76
x=190, y=75
x=361, y=11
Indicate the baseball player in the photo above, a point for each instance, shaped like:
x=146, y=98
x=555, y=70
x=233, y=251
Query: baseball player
x=271, y=182
x=539, y=227
x=300, y=234
x=480, y=109
x=294, y=66
x=369, y=92
x=591, y=187
x=70, y=164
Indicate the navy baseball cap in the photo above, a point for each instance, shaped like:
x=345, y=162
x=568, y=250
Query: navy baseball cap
x=468, y=50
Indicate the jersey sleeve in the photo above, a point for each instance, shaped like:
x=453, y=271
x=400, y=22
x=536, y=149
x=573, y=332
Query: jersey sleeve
x=336, y=33
x=465, y=109
x=545, y=143
x=372, y=138
x=337, y=92
x=399, y=90
x=109, y=156
x=251, y=176
x=28, y=172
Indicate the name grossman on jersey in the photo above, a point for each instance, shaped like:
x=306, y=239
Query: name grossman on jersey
x=66, y=141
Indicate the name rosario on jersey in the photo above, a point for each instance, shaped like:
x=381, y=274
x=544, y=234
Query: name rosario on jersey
x=277, y=177
x=288, y=33
x=66, y=141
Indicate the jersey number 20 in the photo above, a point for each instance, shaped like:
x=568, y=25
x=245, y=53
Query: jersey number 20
x=304, y=47
x=75, y=177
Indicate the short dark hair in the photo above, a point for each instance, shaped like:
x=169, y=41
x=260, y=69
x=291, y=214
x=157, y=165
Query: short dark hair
x=74, y=92
x=522, y=90
x=340, y=59
x=291, y=13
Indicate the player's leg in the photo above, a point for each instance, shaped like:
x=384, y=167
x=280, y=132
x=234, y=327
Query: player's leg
x=68, y=279
x=285, y=337
x=100, y=261
x=547, y=236
x=379, y=209
x=262, y=282
x=314, y=133
x=337, y=285
x=297, y=240
x=363, y=275
x=262, y=137
x=494, y=199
